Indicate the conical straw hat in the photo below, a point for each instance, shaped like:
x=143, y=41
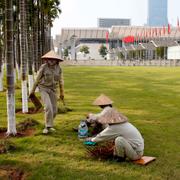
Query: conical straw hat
x=112, y=116
x=51, y=55
x=102, y=100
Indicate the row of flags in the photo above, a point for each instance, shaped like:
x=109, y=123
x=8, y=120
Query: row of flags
x=146, y=33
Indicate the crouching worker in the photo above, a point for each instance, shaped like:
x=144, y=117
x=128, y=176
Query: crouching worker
x=128, y=141
x=49, y=76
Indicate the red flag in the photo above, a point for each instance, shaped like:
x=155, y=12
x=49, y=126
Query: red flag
x=107, y=38
x=128, y=39
x=150, y=32
x=164, y=30
x=141, y=36
x=178, y=24
x=159, y=31
x=146, y=34
x=156, y=32
x=137, y=37
x=169, y=29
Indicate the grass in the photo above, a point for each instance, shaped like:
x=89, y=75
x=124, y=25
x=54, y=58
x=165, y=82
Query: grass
x=148, y=96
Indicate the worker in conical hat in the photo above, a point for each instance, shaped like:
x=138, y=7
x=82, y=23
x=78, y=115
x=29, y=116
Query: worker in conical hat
x=128, y=140
x=49, y=77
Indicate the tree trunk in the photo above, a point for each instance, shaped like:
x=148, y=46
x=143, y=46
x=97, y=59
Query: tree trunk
x=17, y=40
x=1, y=46
x=39, y=35
x=10, y=68
x=23, y=31
x=1, y=68
x=30, y=53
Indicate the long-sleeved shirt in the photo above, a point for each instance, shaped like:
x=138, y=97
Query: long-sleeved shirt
x=125, y=130
x=94, y=117
x=49, y=77
x=108, y=115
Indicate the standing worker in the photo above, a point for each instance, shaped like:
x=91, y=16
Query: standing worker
x=49, y=76
x=128, y=140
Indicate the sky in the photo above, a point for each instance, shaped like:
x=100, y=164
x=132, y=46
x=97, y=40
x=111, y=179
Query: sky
x=84, y=13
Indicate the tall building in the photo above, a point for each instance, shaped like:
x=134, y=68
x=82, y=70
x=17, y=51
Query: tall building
x=157, y=12
x=109, y=22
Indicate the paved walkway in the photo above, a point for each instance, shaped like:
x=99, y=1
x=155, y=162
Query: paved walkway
x=123, y=63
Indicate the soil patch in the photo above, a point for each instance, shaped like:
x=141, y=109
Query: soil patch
x=26, y=124
x=26, y=132
x=24, y=128
x=8, y=173
x=30, y=110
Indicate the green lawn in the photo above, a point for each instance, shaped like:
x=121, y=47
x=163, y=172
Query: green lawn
x=148, y=96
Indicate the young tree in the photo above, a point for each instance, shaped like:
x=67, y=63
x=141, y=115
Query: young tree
x=10, y=67
x=84, y=49
x=66, y=53
x=103, y=51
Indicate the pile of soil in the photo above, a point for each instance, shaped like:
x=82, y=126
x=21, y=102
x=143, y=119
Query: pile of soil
x=11, y=173
x=24, y=128
x=31, y=110
x=26, y=124
x=27, y=132
x=102, y=151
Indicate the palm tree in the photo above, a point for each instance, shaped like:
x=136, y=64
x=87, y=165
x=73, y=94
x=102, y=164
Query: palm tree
x=23, y=33
x=17, y=38
x=1, y=45
x=84, y=49
x=1, y=64
x=10, y=68
x=30, y=53
x=103, y=51
x=51, y=11
x=43, y=14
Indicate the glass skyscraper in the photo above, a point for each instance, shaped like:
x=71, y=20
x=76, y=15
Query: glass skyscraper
x=157, y=12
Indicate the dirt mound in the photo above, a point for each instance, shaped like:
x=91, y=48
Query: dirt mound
x=27, y=132
x=24, y=128
x=30, y=111
x=26, y=124
x=11, y=173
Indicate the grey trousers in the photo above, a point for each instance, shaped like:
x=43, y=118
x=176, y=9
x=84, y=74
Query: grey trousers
x=50, y=105
x=124, y=149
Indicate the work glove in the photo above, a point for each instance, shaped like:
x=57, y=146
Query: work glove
x=89, y=143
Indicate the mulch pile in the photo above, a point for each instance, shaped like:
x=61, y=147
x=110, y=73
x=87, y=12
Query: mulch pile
x=102, y=151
